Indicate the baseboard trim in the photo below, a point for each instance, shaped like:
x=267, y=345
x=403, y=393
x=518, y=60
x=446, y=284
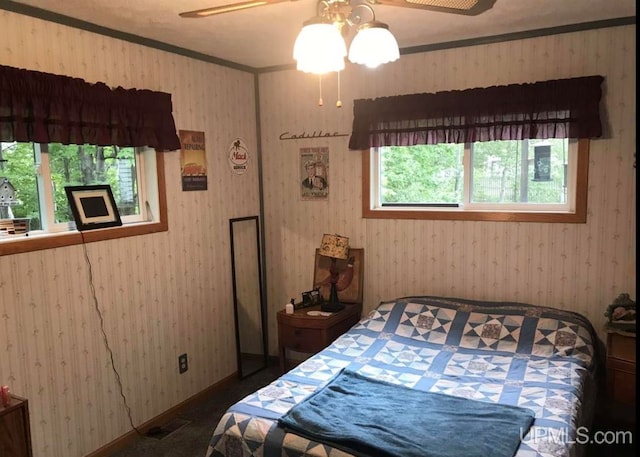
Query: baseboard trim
x=171, y=413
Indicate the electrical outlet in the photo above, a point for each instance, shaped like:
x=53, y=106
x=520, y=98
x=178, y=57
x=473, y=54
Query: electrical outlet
x=183, y=364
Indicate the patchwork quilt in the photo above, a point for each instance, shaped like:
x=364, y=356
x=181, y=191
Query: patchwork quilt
x=517, y=354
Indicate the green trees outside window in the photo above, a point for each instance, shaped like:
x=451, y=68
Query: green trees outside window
x=499, y=172
x=36, y=171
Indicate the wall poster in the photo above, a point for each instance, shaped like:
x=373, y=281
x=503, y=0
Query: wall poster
x=314, y=173
x=193, y=160
x=238, y=156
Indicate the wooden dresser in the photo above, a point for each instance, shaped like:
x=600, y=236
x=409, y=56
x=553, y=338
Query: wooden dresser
x=15, y=434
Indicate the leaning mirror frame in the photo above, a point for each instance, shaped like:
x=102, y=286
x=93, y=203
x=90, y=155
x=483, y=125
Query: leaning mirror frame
x=246, y=272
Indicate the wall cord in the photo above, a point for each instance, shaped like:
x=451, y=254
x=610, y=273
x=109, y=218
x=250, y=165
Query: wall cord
x=104, y=337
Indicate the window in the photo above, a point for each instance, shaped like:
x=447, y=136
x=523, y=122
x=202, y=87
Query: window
x=38, y=174
x=45, y=111
x=524, y=180
x=515, y=164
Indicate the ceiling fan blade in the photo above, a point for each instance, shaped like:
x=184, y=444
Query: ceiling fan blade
x=466, y=7
x=228, y=8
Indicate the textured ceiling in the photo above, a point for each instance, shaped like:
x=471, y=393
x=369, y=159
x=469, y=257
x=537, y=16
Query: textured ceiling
x=263, y=37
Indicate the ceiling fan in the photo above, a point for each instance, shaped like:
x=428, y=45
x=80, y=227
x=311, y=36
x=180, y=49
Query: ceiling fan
x=465, y=7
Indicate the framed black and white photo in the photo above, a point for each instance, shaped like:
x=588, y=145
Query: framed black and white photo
x=93, y=207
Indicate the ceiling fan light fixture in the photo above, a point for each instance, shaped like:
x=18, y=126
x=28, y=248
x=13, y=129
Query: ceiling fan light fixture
x=373, y=45
x=319, y=47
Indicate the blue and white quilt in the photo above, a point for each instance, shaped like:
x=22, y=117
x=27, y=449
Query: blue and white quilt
x=509, y=353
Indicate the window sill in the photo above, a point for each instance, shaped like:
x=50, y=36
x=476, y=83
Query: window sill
x=37, y=242
x=471, y=215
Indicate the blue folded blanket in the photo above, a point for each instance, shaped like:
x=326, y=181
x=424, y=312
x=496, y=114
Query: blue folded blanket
x=367, y=417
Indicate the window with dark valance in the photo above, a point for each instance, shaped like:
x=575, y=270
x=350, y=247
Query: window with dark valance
x=45, y=108
x=563, y=108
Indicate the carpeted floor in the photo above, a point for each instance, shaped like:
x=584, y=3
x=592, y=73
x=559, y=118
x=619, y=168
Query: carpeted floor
x=189, y=434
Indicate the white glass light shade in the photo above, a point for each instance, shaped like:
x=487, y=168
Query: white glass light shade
x=319, y=48
x=373, y=45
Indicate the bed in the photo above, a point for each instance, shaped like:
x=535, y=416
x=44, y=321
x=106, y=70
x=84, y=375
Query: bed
x=457, y=371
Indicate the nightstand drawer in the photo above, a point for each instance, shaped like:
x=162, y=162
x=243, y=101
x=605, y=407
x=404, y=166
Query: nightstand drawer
x=621, y=347
x=301, y=339
x=621, y=367
x=622, y=384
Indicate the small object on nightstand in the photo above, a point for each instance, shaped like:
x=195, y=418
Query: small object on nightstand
x=622, y=314
x=319, y=313
x=309, y=298
x=4, y=394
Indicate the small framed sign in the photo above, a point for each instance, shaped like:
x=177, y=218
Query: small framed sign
x=238, y=156
x=314, y=177
x=93, y=207
x=193, y=160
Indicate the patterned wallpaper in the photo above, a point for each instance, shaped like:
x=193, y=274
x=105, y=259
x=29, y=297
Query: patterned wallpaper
x=161, y=295
x=582, y=267
x=169, y=293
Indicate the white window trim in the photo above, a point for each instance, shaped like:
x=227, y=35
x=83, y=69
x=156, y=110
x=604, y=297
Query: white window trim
x=47, y=218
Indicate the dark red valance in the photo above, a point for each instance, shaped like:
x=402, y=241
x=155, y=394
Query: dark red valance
x=47, y=108
x=563, y=108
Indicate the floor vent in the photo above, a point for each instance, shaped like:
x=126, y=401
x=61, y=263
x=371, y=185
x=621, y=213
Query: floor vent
x=167, y=429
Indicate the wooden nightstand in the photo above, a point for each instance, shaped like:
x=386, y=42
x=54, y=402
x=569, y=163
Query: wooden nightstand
x=309, y=334
x=621, y=366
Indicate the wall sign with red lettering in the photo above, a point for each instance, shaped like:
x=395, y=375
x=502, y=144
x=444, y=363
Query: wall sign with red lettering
x=238, y=156
x=193, y=160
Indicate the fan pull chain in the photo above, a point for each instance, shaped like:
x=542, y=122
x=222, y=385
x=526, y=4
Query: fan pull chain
x=320, y=102
x=339, y=102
